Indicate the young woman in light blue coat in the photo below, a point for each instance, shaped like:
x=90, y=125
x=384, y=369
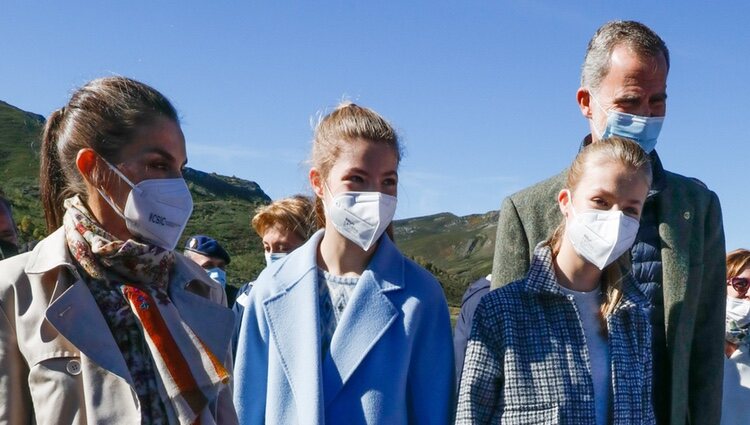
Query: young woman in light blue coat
x=345, y=329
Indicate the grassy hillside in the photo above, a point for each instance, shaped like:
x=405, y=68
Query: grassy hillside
x=19, y=167
x=458, y=250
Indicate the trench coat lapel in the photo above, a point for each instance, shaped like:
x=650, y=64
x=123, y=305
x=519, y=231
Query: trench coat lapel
x=211, y=322
x=77, y=317
x=366, y=319
x=293, y=321
x=676, y=212
x=73, y=305
x=72, y=311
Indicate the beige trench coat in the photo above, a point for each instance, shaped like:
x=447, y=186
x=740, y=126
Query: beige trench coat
x=59, y=363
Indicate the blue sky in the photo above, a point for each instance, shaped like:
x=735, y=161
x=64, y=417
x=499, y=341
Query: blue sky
x=482, y=92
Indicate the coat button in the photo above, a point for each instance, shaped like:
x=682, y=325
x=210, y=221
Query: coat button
x=686, y=215
x=73, y=367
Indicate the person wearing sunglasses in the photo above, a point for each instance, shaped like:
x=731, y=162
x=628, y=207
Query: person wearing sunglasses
x=737, y=340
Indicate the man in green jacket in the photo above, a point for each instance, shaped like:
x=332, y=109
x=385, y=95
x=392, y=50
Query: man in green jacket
x=678, y=256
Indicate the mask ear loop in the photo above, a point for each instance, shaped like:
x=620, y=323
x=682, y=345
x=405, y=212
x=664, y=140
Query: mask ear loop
x=591, y=94
x=325, y=186
x=606, y=112
x=570, y=202
x=108, y=198
x=323, y=199
x=119, y=173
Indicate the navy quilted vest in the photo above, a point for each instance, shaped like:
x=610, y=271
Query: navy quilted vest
x=647, y=268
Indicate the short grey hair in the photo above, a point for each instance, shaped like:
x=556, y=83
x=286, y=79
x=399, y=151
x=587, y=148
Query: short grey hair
x=640, y=38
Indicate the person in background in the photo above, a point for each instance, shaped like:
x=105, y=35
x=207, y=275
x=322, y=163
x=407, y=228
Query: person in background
x=570, y=343
x=678, y=254
x=103, y=322
x=461, y=332
x=283, y=226
x=210, y=255
x=345, y=329
x=736, y=400
x=8, y=230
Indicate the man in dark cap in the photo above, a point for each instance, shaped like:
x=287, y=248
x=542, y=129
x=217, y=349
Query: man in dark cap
x=209, y=254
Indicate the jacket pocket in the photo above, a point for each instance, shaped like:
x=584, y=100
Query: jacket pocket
x=56, y=390
x=542, y=414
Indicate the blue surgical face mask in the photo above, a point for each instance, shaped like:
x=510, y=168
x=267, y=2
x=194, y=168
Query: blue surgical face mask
x=642, y=130
x=272, y=257
x=218, y=275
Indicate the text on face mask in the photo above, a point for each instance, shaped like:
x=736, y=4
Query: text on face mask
x=157, y=219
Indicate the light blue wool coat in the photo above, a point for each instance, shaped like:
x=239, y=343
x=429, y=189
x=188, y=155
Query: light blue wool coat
x=390, y=359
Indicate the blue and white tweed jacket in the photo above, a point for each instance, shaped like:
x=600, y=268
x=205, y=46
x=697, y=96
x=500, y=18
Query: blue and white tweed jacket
x=527, y=361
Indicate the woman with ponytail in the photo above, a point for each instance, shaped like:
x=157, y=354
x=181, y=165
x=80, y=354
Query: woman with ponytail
x=571, y=343
x=103, y=322
x=345, y=329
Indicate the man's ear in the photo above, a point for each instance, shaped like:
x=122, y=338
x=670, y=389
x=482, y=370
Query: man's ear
x=316, y=181
x=86, y=163
x=583, y=97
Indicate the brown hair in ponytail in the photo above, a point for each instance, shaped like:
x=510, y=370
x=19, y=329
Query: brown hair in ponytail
x=102, y=115
x=51, y=177
x=621, y=151
x=347, y=123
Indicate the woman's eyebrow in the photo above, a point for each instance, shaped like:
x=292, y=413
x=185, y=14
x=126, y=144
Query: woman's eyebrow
x=165, y=154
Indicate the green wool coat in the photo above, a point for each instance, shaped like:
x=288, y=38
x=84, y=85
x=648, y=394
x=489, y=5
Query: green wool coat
x=693, y=280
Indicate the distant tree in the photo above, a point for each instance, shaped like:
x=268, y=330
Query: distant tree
x=39, y=233
x=26, y=227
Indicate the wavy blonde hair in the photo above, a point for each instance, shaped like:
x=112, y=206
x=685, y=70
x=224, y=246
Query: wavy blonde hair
x=737, y=261
x=295, y=213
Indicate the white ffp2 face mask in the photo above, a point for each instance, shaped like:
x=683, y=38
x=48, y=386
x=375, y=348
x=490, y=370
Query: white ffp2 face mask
x=361, y=217
x=157, y=210
x=739, y=311
x=600, y=237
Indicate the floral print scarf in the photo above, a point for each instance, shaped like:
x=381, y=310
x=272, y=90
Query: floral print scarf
x=736, y=334
x=129, y=280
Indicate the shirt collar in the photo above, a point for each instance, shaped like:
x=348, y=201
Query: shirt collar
x=541, y=280
x=541, y=277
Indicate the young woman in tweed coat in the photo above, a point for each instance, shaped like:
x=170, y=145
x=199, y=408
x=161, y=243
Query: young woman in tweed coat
x=570, y=343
